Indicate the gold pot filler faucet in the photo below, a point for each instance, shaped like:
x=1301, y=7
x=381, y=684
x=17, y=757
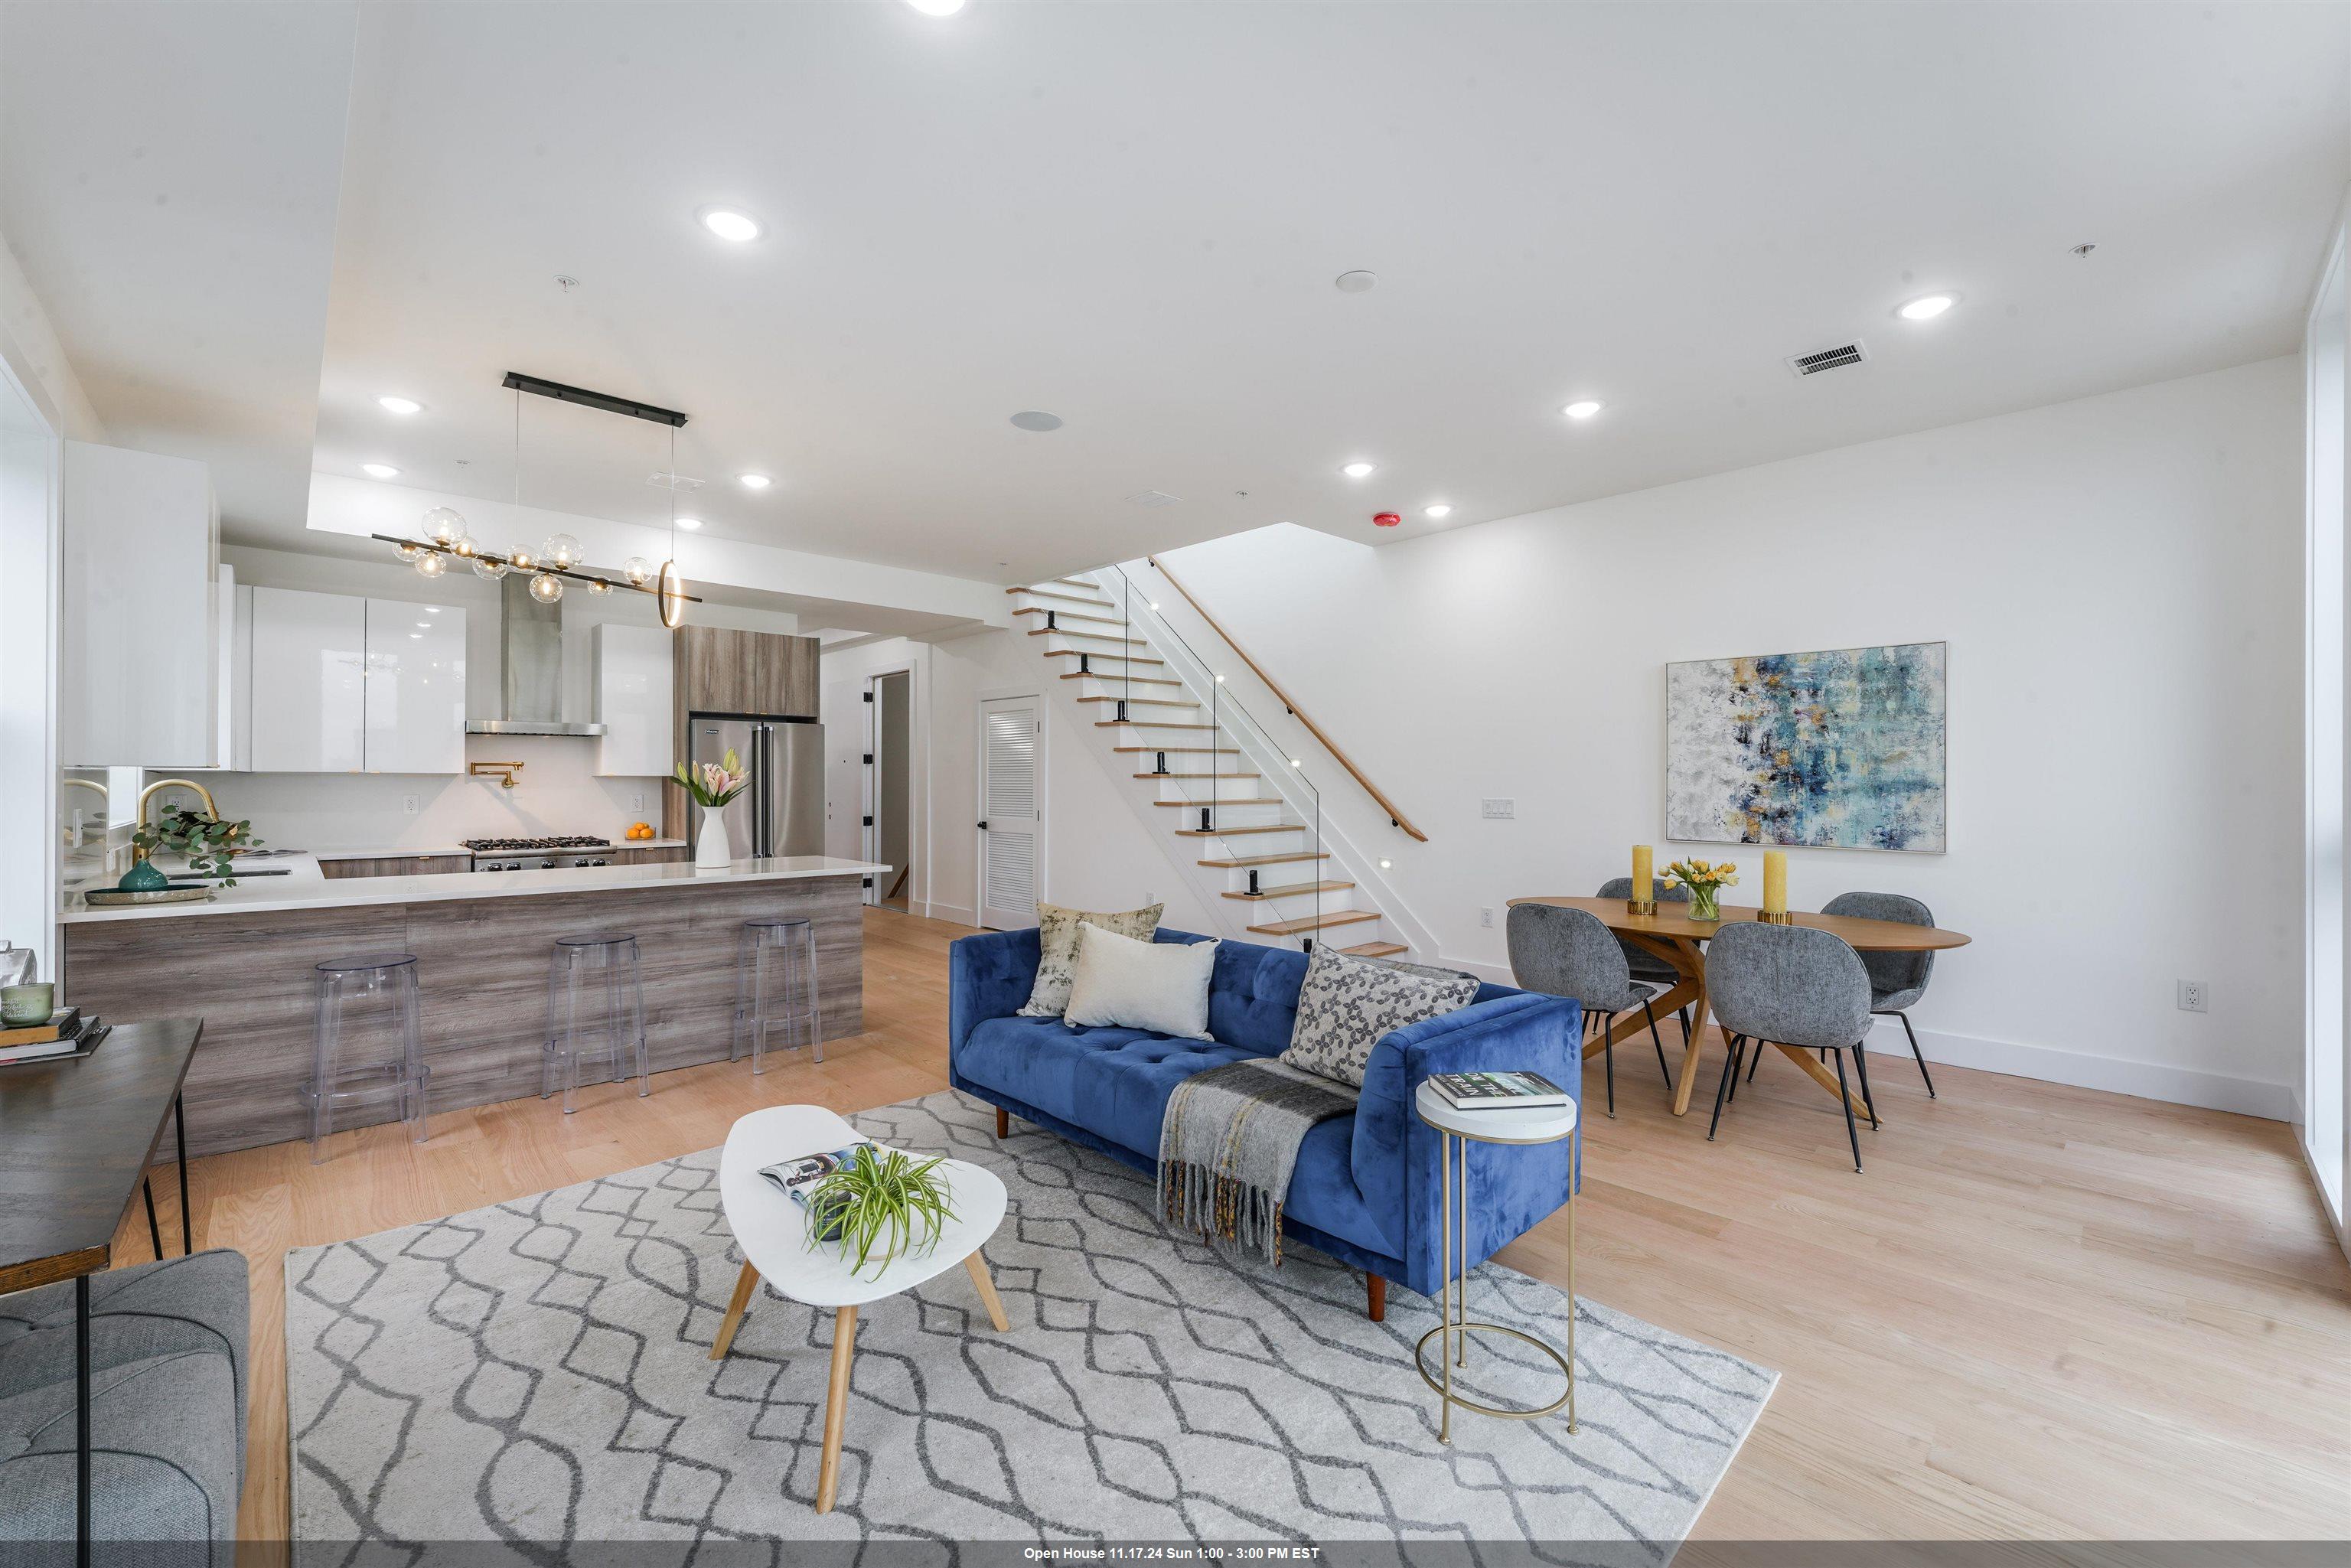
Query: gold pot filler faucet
x=503, y=771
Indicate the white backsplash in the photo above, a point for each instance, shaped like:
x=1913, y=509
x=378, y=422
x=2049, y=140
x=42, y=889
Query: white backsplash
x=556, y=792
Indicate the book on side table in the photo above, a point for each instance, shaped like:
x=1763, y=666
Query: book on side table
x=1487, y=1090
x=65, y=1035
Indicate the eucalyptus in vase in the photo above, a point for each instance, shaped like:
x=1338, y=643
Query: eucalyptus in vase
x=1705, y=880
x=712, y=785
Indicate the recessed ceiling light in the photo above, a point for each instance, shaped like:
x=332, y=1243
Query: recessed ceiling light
x=731, y=223
x=753, y=481
x=378, y=471
x=936, y=7
x=1036, y=419
x=1583, y=410
x=401, y=404
x=1927, y=309
x=689, y=524
x=431, y=609
x=1439, y=510
x=1357, y=282
x=1357, y=470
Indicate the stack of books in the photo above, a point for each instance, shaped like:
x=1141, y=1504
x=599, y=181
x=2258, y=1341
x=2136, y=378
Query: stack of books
x=67, y=1033
x=1486, y=1090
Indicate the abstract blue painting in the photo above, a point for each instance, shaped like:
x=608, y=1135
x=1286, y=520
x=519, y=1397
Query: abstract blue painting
x=1838, y=750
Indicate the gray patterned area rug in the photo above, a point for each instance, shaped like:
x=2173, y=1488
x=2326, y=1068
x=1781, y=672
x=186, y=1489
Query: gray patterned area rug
x=536, y=1373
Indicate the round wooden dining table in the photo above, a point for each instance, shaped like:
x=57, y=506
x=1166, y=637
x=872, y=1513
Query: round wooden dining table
x=1672, y=936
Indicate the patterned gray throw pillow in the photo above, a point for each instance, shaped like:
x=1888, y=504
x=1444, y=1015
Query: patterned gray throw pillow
x=1057, y=936
x=1347, y=1004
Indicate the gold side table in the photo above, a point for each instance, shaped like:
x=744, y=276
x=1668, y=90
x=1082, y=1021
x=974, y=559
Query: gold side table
x=1456, y=1130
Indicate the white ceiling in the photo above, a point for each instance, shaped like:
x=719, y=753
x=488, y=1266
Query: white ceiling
x=1131, y=215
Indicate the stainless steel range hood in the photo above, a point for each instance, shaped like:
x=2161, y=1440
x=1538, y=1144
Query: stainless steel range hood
x=530, y=659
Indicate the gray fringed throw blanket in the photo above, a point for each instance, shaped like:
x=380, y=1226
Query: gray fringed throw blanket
x=1228, y=1142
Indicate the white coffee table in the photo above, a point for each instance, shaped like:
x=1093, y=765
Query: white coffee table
x=1456, y=1130
x=772, y=1230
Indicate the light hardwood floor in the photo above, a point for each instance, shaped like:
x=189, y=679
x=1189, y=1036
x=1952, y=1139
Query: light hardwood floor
x=2043, y=1312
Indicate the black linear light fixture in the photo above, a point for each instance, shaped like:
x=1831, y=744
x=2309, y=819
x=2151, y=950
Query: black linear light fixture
x=558, y=559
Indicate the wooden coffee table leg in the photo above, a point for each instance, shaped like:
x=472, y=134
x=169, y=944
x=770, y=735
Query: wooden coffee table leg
x=744, y=1282
x=836, y=1400
x=986, y=1286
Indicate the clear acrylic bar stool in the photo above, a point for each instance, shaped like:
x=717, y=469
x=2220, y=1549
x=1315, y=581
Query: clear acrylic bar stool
x=367, y=1044
x=595, y=1008
x=775, y=986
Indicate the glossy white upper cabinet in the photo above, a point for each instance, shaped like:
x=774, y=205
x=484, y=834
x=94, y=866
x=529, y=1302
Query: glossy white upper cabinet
x=138, y=640
x=632, y=701
x=309, y=682
x=415, y=688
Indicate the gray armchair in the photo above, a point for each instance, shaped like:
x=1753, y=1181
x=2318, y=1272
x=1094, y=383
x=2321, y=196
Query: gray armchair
x=1569, y=953
x=168, y=1386
x=1790, y=985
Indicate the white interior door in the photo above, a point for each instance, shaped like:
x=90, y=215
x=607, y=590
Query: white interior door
x=1011, y=736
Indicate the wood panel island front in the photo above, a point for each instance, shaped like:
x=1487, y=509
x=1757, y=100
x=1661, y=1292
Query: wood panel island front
x=245, y=963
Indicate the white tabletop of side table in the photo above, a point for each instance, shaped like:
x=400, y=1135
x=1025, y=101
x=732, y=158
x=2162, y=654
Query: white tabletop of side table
x=772, y=1231
x=1487, y=1124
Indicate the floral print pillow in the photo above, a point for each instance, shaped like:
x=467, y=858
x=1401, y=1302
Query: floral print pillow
x=1057, y=935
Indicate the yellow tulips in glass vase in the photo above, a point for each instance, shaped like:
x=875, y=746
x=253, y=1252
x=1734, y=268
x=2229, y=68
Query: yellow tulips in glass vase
x=1705, y=880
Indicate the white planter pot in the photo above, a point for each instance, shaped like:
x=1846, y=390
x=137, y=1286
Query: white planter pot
x=711, y=850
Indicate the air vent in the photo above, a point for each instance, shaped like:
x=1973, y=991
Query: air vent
x=1153, y=498
x=673, y=481
x=1834, y=359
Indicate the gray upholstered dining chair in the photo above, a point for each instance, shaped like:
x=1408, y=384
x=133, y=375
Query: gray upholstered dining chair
x=1646, y=966
x=1897, y=980
x=1569, y=953
x=1790, y=985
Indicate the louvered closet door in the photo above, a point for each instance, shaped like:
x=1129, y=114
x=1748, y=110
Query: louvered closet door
x=1010, y=731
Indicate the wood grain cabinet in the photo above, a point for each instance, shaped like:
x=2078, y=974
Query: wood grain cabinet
x=719, y=670
x=672, y=855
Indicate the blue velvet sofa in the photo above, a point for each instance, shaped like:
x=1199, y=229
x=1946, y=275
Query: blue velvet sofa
x=1365, y=1186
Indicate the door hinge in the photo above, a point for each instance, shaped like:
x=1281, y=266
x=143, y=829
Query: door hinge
x=869, y=821
x=869, y=697
x=869, y=760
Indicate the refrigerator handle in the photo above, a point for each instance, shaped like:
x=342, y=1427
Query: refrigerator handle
x=763, y=746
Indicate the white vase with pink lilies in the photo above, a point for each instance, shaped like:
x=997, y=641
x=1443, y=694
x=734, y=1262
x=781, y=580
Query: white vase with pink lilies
x=712, y=785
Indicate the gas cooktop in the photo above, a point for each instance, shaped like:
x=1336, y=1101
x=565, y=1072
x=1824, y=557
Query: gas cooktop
x=525, y=846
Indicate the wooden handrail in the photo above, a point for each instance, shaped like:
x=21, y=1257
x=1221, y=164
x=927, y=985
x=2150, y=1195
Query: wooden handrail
x=1395, y=818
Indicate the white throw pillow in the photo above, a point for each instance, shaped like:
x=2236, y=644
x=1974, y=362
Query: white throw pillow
x=1158, y=985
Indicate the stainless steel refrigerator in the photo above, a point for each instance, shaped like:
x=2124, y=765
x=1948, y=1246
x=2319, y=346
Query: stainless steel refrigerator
x=782, y=813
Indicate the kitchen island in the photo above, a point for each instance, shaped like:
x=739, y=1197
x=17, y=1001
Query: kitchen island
x=244, y=962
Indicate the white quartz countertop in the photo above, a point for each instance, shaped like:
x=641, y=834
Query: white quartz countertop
x=265, y=895
x=401, y=852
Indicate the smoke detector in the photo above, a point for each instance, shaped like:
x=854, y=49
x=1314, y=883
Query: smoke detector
x=1847, y=353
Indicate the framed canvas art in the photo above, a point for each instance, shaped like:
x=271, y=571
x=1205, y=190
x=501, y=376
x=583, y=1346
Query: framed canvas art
x=1841, y=749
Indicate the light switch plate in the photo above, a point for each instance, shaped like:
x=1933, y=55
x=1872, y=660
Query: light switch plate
x=1497, y=809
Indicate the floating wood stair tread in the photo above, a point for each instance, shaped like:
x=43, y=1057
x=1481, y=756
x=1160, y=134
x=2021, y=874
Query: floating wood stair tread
x=1082, y=637
x=1066, y=597
x=1106, y=658
x=1305, y=923
x=1120, y=680
x=1149, y=724
x=1232, y=833
x=1204, y=805
x=1197, y=776
x=1147, y=702
x=1069, y=614
x=1375, y=949
x=1242, y=862
x=1181, y=750
x=1290, y=890
x=1075, y=582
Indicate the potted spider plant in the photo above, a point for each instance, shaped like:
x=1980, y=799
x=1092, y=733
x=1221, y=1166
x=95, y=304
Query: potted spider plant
x=881, y=1205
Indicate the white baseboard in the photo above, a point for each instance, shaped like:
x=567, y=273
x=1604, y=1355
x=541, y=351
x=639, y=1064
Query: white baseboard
x=961, y=914
x=2081, y=1069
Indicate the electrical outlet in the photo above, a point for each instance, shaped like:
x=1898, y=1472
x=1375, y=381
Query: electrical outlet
x=1486, y=915
x=408, y=804
x=1507, y=808
x=2194, y=997
x=637, y=801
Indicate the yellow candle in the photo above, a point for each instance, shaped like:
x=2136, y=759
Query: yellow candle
x=1645, y=886
x=1775, y=881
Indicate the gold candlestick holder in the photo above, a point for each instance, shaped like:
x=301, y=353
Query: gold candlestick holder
x=1768, y=918
x=1637, y=908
